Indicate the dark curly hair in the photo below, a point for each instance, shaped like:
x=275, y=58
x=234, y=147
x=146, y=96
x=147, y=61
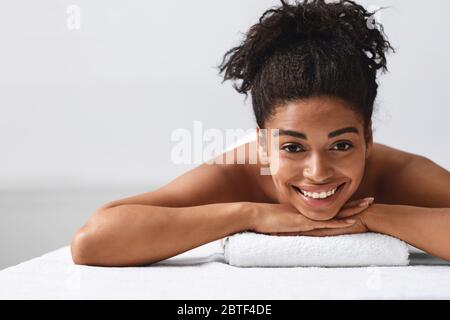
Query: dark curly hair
x=308, y=49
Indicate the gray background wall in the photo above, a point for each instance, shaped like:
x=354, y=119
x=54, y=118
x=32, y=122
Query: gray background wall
x=86, y=115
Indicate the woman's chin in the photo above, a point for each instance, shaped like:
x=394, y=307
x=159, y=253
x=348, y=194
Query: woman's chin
x=318, y=215
x=321, y=216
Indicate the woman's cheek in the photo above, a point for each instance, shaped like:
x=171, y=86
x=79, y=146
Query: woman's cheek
x=282, y=177
x=354, y=167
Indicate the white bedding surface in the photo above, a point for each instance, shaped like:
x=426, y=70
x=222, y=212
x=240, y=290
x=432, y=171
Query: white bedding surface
x=202, y=273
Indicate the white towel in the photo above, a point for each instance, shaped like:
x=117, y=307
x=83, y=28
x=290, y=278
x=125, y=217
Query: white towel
x=250, y=249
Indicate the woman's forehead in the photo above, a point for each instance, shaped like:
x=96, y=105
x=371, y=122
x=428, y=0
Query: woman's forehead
x=313, y=115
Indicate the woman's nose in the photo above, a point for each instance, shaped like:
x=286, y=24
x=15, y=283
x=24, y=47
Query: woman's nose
x=317, y=169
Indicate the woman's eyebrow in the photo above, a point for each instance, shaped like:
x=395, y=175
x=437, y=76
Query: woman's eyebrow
x=301, y=135
x=342, y=131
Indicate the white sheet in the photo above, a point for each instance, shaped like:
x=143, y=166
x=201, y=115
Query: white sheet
x=202, y=274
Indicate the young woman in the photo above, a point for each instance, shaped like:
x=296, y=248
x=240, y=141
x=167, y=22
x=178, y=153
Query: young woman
x=311, y=70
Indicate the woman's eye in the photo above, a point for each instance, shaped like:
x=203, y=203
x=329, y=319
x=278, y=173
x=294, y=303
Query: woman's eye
x=292, y=148
x=342, y=146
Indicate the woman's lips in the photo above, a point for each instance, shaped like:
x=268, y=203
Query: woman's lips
x=319, y=202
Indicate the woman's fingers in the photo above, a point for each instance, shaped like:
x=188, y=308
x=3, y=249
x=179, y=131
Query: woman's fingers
x=334, y=223
x=316, y=232
x=356, y=203
x=288, y=221
x=328, y=232
x=322, y=232
x=355, y=207
x=305, y=224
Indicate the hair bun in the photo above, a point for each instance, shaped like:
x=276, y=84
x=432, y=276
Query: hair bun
x=291, y=24
x=309, y=48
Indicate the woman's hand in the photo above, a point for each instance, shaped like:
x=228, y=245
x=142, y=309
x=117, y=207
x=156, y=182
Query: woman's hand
x=281, y=219
x=358, y=227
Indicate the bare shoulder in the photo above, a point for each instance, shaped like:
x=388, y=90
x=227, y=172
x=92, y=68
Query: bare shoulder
x=390, y=161
x=386, y=160
x=409, y=179
x=392, y=156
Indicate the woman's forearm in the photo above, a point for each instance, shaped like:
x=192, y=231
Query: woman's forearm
x=425, y=228
x=134, y=234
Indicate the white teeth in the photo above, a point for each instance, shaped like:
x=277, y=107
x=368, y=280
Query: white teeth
x=316, y=195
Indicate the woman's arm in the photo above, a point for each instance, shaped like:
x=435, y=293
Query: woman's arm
x=197, y=207
x=425, y=228
x=416, y=205
x=135, y=234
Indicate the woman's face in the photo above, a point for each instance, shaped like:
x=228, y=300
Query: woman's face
x=321, y=155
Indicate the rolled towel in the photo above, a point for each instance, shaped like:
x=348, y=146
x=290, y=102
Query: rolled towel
x=250, y=249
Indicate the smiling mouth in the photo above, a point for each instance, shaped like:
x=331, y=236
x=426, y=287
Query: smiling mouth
x=319, y=200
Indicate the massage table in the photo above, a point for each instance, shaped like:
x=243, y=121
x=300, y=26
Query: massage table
x=202, y=273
